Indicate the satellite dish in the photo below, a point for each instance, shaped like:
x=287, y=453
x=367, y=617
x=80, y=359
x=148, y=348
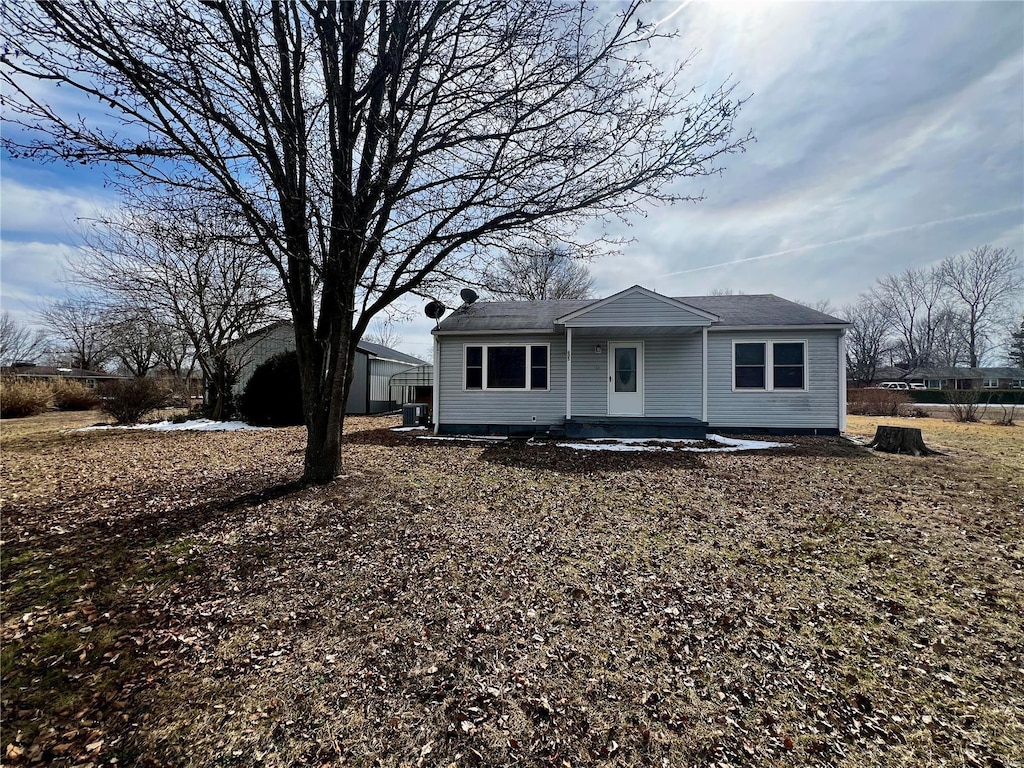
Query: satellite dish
x=434, y=310
x=468, y=295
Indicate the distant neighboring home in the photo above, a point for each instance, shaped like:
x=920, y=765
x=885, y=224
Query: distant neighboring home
x=374, y=366
x=956, y=377
x=49, y=373
x=640, y=364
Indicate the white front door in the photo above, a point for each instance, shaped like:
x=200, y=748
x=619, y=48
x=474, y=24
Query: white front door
x=626, y=378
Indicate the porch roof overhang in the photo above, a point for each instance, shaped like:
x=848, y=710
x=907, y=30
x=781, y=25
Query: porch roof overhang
x=634, y=331
x=638, y=307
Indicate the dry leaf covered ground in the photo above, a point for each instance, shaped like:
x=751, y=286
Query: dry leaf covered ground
x=176, y=599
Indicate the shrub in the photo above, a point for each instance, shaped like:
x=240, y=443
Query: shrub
x=70, y=395
x=23, y=397
x=128, y=401
x=1007, y=419
x=963, y=404
x=273, y=396
x=877, y=402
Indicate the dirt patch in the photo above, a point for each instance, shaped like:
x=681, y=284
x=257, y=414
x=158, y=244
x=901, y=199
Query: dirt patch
x=176, y=599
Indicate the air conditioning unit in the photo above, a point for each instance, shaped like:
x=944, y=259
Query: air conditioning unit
x=414, y=414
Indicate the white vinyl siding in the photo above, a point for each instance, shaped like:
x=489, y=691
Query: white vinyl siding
x=457, y=405
x=672, y=375
x=637, y=310
x=814, y=407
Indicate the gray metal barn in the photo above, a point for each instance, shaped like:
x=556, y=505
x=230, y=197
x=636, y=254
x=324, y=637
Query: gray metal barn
x=375, y=365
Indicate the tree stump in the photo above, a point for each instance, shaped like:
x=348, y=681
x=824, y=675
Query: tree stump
x=901, y=440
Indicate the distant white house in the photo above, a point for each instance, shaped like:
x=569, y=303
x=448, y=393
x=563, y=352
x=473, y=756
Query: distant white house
x=374, y=366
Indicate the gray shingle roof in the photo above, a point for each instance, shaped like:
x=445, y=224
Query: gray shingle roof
x=754, y=310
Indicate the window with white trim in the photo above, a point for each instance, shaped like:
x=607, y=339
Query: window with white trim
x=990, y=383
x=769, y=365
x=506, y=366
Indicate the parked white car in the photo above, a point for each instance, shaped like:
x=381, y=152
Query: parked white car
x=894, y=385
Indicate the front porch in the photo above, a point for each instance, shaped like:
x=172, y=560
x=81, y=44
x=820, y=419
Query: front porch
x=636, y=426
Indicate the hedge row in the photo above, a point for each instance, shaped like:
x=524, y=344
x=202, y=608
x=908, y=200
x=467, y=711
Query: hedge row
x=30, y=397
x=985, y=396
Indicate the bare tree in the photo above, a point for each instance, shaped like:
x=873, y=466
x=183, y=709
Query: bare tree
x=186, y=266
x=19, y=343
x=538, y=275
x=725, y=292
x=1015, y=346
x=174, y=349
x=132, y=333
x=987, y=282
x=370, y=147
x=80, y=326
x=383, y=332
x=914, y=301
x=950, y=346
x=820, y=305
x=867, y=338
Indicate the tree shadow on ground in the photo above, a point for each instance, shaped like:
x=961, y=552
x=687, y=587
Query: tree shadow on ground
x=96, y=595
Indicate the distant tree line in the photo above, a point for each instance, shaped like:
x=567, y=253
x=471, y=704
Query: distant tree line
x=956, y=313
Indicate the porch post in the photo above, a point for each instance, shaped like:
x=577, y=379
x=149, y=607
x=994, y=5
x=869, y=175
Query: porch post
x=704, y=374
x=568, y=373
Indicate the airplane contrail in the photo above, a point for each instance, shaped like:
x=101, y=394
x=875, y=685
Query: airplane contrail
x=845, y=240
x=677, y=10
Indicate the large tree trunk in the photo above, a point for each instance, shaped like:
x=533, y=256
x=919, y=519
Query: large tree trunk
x=326, y=369
x=900, y=440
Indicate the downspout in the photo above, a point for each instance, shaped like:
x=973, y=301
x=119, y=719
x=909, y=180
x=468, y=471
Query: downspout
x=436, y=375
x=842, y=380
x=704, y=374
x=568, y=373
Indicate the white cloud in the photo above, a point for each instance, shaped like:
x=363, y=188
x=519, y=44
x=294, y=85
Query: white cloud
x=31, y=211
x=31, y=273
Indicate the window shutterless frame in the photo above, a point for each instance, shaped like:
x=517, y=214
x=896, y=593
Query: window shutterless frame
x=476, y=364
x=788, y=369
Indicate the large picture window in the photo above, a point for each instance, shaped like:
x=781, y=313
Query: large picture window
x=770, y=365
x=506, y=366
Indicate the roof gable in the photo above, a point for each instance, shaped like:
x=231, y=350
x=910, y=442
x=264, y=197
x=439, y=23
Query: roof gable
x=637, y=306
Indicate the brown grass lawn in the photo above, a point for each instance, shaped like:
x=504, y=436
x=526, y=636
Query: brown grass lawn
x=176, y=599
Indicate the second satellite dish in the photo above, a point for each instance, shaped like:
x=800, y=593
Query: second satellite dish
x=468, y=295
x=434, y=310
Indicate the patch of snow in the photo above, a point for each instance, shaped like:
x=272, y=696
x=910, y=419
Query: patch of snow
x=196, y=425
x=406, y=429
x=747, y=445
x=615, y=446
x=729, y=444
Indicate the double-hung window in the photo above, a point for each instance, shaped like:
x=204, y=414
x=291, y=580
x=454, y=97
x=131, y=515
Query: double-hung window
x=770, y=365
x=506, y=366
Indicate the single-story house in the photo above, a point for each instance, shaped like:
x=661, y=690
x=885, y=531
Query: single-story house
x=958, y=377
x=375, y=364
x=89, y=378
x=640, y=364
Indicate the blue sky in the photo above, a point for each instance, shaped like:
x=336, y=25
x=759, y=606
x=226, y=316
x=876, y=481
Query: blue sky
x=889, y=136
